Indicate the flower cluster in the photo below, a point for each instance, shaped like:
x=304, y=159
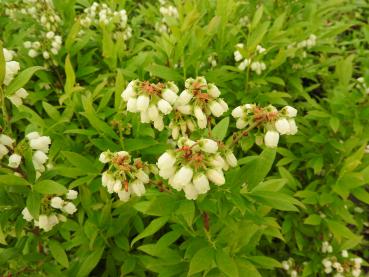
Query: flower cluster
x=7, y=145
x=274, y=122
x=48, y=220
x=167, y=11
x=308, y=43
x=100, y=15
x=11, y=69
x=40, y=145
x=341, y=266
x=194, y=165
x=46, y=40
x=290, y=267
x=249, y=60
x=196, y=104
x=152, y=101
x=212, y=60
x=362, y=84
x=125, y=176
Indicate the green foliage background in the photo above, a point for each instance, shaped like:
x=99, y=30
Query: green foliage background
x=306, y=191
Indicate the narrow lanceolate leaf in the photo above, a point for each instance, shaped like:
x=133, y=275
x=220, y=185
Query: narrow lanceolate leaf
x=21, y=79
x=33, y=203
x=57, y=251
x=49, y=187
x=201, y=261
x=2, y=64
x=153, y=227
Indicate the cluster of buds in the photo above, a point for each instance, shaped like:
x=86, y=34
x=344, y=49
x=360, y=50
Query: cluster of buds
x=48, y=220
x=248, y=60
x=100, y=15
x=244, y=21
x=274, y=122
x=167, y=11
x=198, y=101
x=290, y=267
x=40, y=145
x=7, y=145
x=308, y=43
x=194, y=165
x=125, y=176
x=11, y=69
x=212, y=60
x=152, y=101
x=346, y=267
x=362, y=85
x=46, y=40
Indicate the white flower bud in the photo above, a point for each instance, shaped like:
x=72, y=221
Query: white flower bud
x=69, y=208
x=217, y=161
x=27, y=215
x=216, y=176
x=129, y=91
x=190, y=125
x=271, y=139
x=164, y=106
x=22, y=93
x=182, y=177
x=245, y=63
x=32, y=53
x=223, y=104
x=167, y=172
x=6, y=140
x=104, y=157
x=231, y=159
x=159, y=123
x=132, y=105
x=290, y=111
x=41, y=143
x=153, y=112
x=143, y=102
x=169, y=95
x=57, y=202
x=216, y=109
x=124, y=195
x=32, y=135
x=117, y=186
x=12, y=67
x=282, y=126
x=237, y=56
x=43, y=222
x=202, y=123
x=175, y=132
x=72, y=194
x=144, y=116
x=293, y=127
x=166, y=160
x=138, y=188
x=142, y=176
x=190, y=192
x=14, y=160
x=185, y=109
x=184, y=98
x=213, y=91
x=344, y=253
x=8, y=55
x=39, y=157
x=46, y=55
x=53, y=220
x=107, y=179
x=199, y=114
x=356, y=272
x=209, y=146
x=201, y=183
x=3, y=151
x=16, y=101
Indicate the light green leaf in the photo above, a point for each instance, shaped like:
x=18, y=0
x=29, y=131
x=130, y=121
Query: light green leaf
x=226, y=264
x=21, y=79
x=57, y=251
x=50, y=187
x=90, y=262
x=201, y=261
x=151, y=229
x=220, y=130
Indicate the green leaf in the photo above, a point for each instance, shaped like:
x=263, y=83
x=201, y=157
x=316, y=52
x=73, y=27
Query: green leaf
x=220, y=130
x=202, y=260
x=33, y=204
x=164, y=72
x=257, y=16
x=72, y=35
x=2, y=64
x=264, y=262
x=344, y=70
x=80, y=162
x=51, y=111
x=21, y=79
x=13, y=180
x=57, y=251
x=276, y=200
x=313, y=219
x=341, y=231
x=151, y=229
x=226, y=264
x=50, y=187
x=90, y=262
x=70, y=80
